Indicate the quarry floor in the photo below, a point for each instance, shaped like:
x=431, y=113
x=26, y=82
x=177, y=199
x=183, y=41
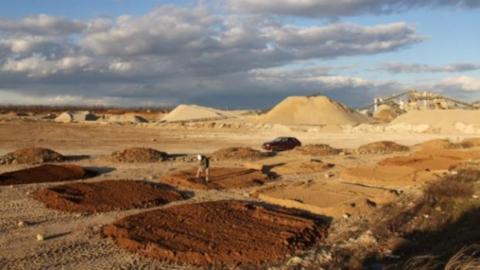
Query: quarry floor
x=73, y=240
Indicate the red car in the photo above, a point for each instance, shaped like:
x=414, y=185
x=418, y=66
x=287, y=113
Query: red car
x=282, y=144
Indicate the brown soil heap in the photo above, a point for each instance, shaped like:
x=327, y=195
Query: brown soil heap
x=220, y=233
x=45, y=173
x=238, y=153
x=318, y=150
x=220, y=178
x=108, y=195
x=437, y=144
x=138, y=154
x=470, y=142
x=32, y=155
x=382, y=147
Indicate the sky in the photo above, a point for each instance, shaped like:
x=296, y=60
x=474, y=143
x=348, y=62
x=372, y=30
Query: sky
x=235, y=53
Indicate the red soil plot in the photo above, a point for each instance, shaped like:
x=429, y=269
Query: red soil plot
x=220, y=178
x=108, y=195
x=220, y=233
x=45, y=173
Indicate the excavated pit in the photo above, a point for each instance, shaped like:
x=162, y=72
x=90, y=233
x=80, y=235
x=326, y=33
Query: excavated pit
x=45, y=173
x=108, y=195
x=219, y=234
x=220, y=178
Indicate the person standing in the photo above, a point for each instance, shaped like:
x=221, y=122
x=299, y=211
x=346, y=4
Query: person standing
x=203, y=167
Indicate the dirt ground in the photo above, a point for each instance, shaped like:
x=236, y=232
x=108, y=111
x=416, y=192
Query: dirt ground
x=74, y=240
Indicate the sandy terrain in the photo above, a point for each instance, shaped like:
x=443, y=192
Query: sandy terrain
x=320, y=184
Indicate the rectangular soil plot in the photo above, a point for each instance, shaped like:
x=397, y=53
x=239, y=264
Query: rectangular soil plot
x=45, y=173
x=220, y=233
x=108, y=195
x=220, y=178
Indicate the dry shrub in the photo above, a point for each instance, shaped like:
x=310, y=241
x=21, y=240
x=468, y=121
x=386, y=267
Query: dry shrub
x=33, y=155
x=424, y=262
x=467, y=258
x=138, y=154
x=448, y=189
x=238, y=153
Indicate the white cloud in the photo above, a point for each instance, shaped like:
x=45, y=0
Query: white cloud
x=422, y=68
x=461, y=83
x=42, y=25
x=329, y=8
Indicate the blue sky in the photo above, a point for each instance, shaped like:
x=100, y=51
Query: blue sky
x=84, y=52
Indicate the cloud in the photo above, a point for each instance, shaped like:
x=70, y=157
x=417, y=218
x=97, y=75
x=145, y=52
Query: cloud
x=41, y=25
x=461, y=83
x=422, y=68
x=328, y=8
x=188, y=55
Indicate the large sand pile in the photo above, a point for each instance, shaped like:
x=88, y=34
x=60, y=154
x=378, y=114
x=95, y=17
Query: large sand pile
x=442, y=120
x=31, y=156
x=45, y=173
x=238, y=153
x=195, y=113
x=108, y=195
x=437, y=144
x=138, y=155
x=312, y=111
x=220, y=234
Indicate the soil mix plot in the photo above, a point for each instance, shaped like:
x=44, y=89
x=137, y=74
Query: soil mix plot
x=220, y=233
x=220, y=178
x=32, y=155
x=107, y=196
x=45, y=173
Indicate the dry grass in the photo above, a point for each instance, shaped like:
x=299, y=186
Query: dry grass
x=467, y=258
x=424, y=262
x=448, y=189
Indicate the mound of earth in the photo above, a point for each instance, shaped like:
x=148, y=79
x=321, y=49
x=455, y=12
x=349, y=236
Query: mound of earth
x=45, y=173
x=382, y=147
x=470, y=142
x=195, y=113
x=127, y=118
x=437, y=144
x=218, y=234
x=76, y=116
x=108, y=195
x=318, y=150
x=238, y=153
x=31, y=156
x=138, y=155
x=318, y=110
x=220, y=178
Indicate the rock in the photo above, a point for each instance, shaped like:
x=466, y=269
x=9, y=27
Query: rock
x=294, y=261
x=40, y=237
x=22, y=223
x=398, y=244
x=329, y=174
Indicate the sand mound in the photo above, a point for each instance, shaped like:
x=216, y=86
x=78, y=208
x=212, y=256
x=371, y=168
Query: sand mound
x=437, y=144
x=238, y=153
x=312, y=111
x=330, y=198
x=80, y=116
x=108, y=195
x=216, y=234
x=441, y=120
x=127, y=118
x=196, y=113
x=382, y=147
x=318, y=150
x=31, y=156
x=45, y=173
x=138, y=155
x=220, y=178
